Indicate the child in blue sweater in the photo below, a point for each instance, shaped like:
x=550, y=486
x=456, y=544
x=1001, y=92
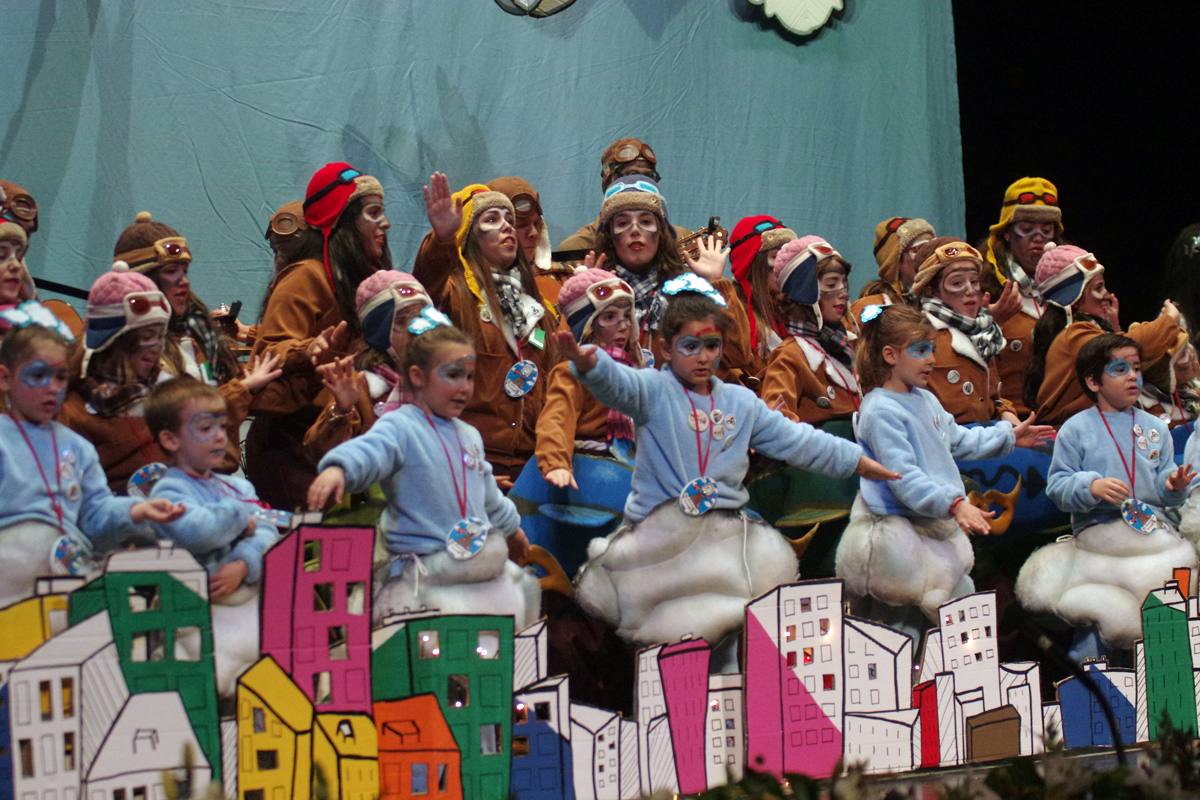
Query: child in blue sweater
x=905, y=549
x=58, y=512
x=687, y=557
x=224, y=526
x=447, y=528
x=1114, y=470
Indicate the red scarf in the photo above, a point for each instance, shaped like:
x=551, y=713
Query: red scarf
x=619, y=425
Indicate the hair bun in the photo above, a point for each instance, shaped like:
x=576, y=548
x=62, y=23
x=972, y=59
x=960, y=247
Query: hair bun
x=143, y=216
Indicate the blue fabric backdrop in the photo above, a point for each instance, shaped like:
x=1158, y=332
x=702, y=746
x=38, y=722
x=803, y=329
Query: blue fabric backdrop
x=210, y=113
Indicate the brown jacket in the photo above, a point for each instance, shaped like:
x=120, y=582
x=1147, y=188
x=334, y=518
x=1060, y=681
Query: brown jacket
x=1013, y=363
x=570, y=413
x=1061, y=395
x=737, y=363
x=967, y=386
x=506, y=424
x=124, y=444
x=331, y=428
x=807, y=385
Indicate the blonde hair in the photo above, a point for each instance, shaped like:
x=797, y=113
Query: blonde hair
x=896, y=326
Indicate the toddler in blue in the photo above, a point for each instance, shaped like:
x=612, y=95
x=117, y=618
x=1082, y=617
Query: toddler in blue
x=1114, y=470
x=687, y=557
x=224, y=524
x=905, y=548
x=448, y=530
x=58, y=513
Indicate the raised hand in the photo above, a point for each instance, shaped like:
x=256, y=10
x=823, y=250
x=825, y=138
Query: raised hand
x=590, y=261
x=445, y=213
x=343, y=382
x=331, y=341
x=711, y=263
x=1029, y=435
x=331, y=483
x=584, y=358
x=261, y=370
x=1008, y=304
x=1109, y=490
x=1178, y=480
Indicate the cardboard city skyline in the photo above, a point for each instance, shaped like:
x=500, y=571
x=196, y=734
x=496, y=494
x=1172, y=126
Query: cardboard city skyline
x=104, y=685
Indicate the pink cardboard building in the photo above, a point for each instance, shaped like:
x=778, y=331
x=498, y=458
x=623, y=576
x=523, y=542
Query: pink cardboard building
x=684, y=669
x=316, y=614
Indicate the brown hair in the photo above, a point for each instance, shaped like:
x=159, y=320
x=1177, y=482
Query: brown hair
x=688, y=307
x=423, y=349
x=483, y=276
x=19, y=344
x=1094, y=357
x=896, y=326
x=762, y=306
x=111, y=363
x=163, y=408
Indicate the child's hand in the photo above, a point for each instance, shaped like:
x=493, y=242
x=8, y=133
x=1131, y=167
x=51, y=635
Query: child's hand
x=1109, y=490
x=248, y=531
x=156, y=509
x=972, y=519
x=518, y=547
x=445, y=213
x=584, y=358
x=562, y=478
x=331, y=483
x=1006, y=305
x=227, y=579
x=342, y=381
x=870, y=468
x=711, y=263
x=591, y=262
x=1178, y=480
x=261, y=370
x=1029, y=435
x=331, y=341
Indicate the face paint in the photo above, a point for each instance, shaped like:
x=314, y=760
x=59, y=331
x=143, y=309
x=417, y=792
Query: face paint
x=172, y=274
x=643, y=221
x=1117, y=368
x=961, y=282
x=922, y=348
x=690, y=346
x=612, y=318
x=206, y=427
x=494, y=219
x=373, y=213
x=456, y=371
x=1028, y=230
x=834, y=284
x=37, y=374
x=149, y=338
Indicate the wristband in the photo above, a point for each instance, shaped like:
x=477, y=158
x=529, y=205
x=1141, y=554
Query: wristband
x=954, y=503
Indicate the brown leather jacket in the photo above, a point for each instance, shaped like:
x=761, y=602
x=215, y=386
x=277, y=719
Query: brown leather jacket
x=805, y=384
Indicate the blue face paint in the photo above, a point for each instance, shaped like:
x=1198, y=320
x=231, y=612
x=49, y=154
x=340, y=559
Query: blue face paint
x=37, y=374
x=456, y=372
x=691, y=346
x=1117, y=368
x=920, y=349
x=205, y=427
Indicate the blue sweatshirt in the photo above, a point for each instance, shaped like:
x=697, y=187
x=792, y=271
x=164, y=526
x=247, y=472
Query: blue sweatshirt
x=911, y=433
x=218, y=510
x=1084, y=452
x=403, y=454
x=667, y=457
x=92, y=514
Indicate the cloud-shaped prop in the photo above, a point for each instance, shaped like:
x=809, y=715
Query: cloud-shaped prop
x=801, y=17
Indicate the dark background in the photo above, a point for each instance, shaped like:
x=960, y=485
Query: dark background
x=1103, y=101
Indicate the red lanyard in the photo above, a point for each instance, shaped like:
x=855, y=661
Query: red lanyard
x=461, y=498
x=1130, y=473
x=831, y=361
x=701, y=456
x=225, y=489
x=1177, y=405
x=58, y=512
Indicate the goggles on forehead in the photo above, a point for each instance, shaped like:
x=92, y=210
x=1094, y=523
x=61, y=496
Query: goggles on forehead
x=691, y=282
x=894, y=224
x=344, y=177
x=526, y=205
x=1118, y=368
x=140, y=304
x=22, y=206
x=136, y=310
x=1065, y=288
x=635, y=186
x=426, y=320
x=171, y=250
x=31, y=312
x=1028, y=198
x=798, y=278
x=596, y=296
x=379, y=313
x=632, y=152
x=954, y=251
x=757, y=230
x=285, y=223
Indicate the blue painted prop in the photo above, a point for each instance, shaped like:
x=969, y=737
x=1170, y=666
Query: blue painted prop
x=1035, y=512
x=564, y=520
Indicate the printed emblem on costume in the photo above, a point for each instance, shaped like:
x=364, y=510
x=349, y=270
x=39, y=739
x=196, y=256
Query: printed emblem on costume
x=718, y=423
x=485, y=313
x=1137, y=430
x=520, y=379
x=698, y=496
x=65, y=557
x=73, y=492
x=952, y=376
x=467, y=538
x=823, y=402
x=830, y=392
x=1015, y=345
x=1140, y=517
x=1142, y=444
x=698, y=421
x=1154, y=436
x=1154, y=454
x=647, y=357
x=968, y=388
x=730, y=422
